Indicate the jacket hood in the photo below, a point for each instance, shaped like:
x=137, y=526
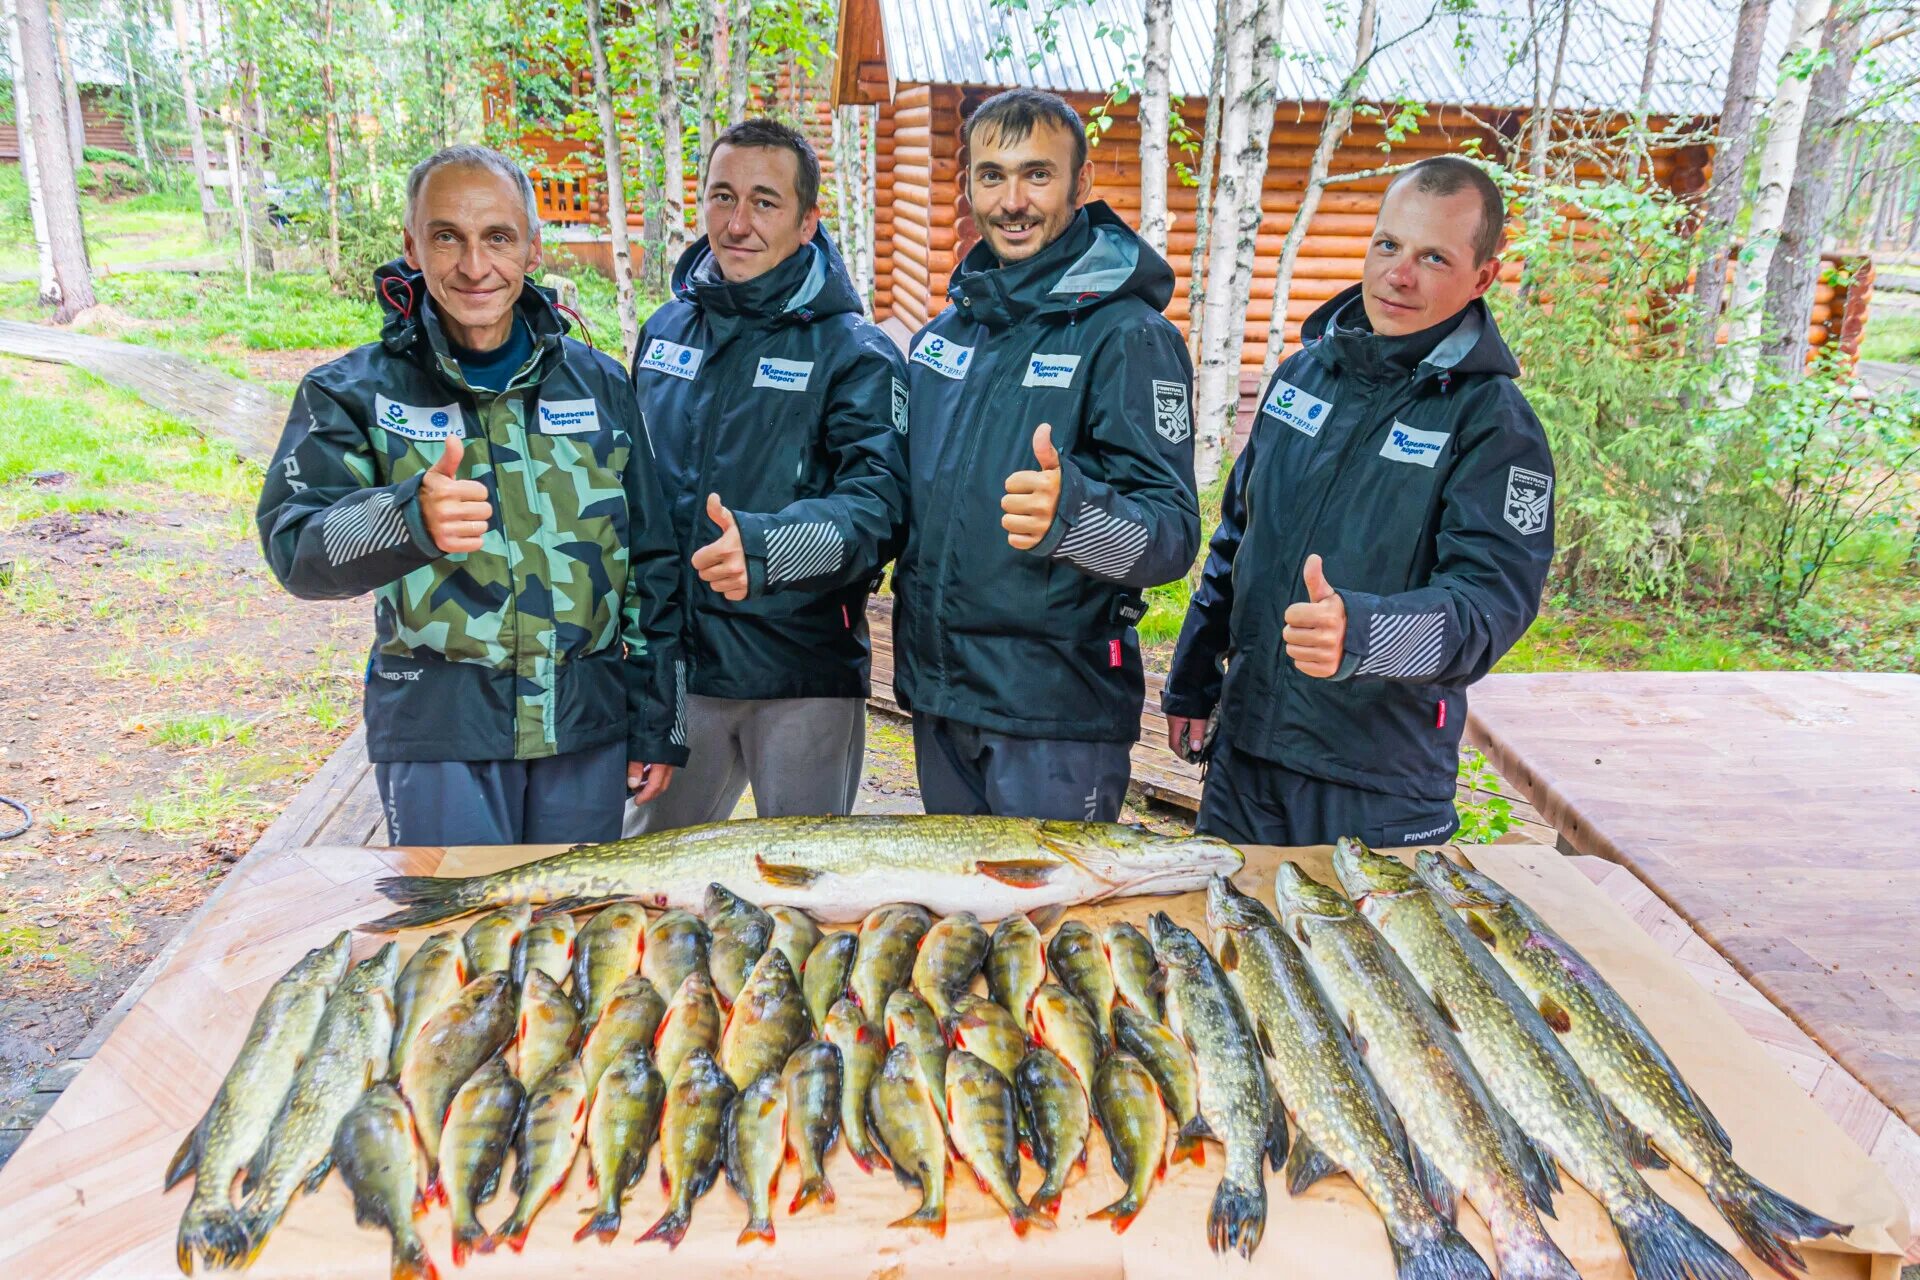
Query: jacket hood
x=407, y=313
x=1336, y=334
x=811, y=284
x=1097, y=259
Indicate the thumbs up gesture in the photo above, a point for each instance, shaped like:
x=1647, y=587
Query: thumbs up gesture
x=1033, y=496
x=722, y=563
x=1316, y=631
x=456, y=511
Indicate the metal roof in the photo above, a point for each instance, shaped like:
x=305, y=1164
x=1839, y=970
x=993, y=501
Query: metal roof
x=1484, y=59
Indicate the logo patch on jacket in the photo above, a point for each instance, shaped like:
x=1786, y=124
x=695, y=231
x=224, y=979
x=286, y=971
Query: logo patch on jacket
x=1171, y=416
x=673, y=359
x=416, y=423
x=783, y=375
x=948, y=359
x=1050, y=371
x=1410, y=444
x=569, y=417
x=899, y=405
x=1529, y=493
x=1304, y=413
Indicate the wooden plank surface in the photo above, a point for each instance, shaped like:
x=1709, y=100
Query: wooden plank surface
x=81, y=1197
x=1774, y=812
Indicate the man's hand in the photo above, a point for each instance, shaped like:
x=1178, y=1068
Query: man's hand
x=722, y=563
x=456, y=511
x=1186, y=734
x=1316, y=632
x=1032, y=496
x=647, y=781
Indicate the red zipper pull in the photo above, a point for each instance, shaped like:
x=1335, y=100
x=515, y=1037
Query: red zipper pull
x=1113, y=654
x=1440, y=720
x=845, y=620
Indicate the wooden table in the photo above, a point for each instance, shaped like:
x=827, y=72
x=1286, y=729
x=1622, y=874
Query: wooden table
x=81, y=1197
x=1776, y=813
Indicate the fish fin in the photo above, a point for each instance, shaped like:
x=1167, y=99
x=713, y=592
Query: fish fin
x=567, y=906
x=785, y=875
x=1277, y=1137
x=1480, y=929
x=1767, y=1222
x=1237, y=1218
x=1021, y=873
x=1661, y=1244
x=1188, y=1147
x=756, y=1229
x=187, y=1159
x=411, y=1260
x=467, y=1237
x=1557, y=1017
x=1446, y=1014
x=932, y=1217
x=1266, y=1041
x=1636, y=1144
x=1306, y=1165
x=1433, y=1184
x=1446, y=1256
x=428, y=900
x=671, y=1228
x=1707, y=1118
x=1531, y=1161
x=317, y=1175
x=1044, y=918
x=1228, y=953
x=603, y=1225
x=1024, y=1218
x=812, y=1190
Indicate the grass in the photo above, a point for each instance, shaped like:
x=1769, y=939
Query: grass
x=197, y=314
x=194, y=803
x=1892, y=336
x=123, y=231
x=201, y=729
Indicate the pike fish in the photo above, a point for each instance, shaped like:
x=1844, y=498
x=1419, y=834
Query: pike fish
x=794, y=935
x=824, y=979
x=862, y=1050
x=839, y=869
x=1136, y=977
x=349, y=1054
x=1340, y=1122
x=374, y=1150
x=606, y=952
x=1236, y=1101
x=432, y=977
x=766, y=1024
x=1166, y=1059
x=1625, y=1063
x=741, y=932
x=950, y=954
x=987, y=1031
x=691, y=1024
x=1135, y=1122
x=550, y=1133
x=242, y=1111
x=906, y=1119
x=549, y=1028
x=1079, y=961
x=547, y=945
x=630, y=1021
x=692, y=1141
x=490, y=940
x=1058, y=1121
x=883, y=961
x=1016, y=966
x=676, y=945
x=756, y=1146
x=450, y=1047
x=983, y=1119
x=479, y=1128
x=1450, y=1119
x=812, y=1082
x=622, y=1121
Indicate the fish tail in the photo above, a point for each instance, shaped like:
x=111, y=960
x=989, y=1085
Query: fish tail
x=1238, y=1217
x=1527, y=1252
x=467, y=1237
x=186, y=1160
x=410, y=1259
x=1046, y=1199
x=604, y=1225
x=429, y=900
x=816, y=1188
x=512, y=1233
x=1187, y=1143
x=671, y=1227
x=217, y=1234
x=756, y=1229
x=1442, y=1256
x=1024, y=1218
x=1767, y=1222
x=1662, y=1244
x=1120, y=1213
x=931, y=1216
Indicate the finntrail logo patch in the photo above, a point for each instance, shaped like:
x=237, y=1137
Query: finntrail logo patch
x=1050, y=371
x=414, y=422
x=1304, y=413
x=899, y=405
x=783, y=375
x=568, y=417
x=1529, y=495
x=948, y=359
x=672, y=359
x=1171, y=416
x=1410, y=444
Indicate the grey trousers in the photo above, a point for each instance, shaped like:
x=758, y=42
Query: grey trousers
x=802, y=756
x=965, y=769
x=569, y=799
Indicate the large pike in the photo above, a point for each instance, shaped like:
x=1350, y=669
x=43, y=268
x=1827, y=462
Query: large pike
x=374, y=1149
x=1339, y=1120
x=1529, y=1072
x=1625, y=1063
x=1449, y=1117
x=1236, y=1101
x=839, y=869
x=237, y=1121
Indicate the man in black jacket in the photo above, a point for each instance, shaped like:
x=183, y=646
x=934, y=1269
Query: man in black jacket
x=1383, y=540
x=1051, y=461
x=778, y=412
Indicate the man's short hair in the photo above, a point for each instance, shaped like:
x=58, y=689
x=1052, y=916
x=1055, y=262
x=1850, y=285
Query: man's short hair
x=1449, y=176
x=1014, y=114
x=468, y=156
x=762, y=132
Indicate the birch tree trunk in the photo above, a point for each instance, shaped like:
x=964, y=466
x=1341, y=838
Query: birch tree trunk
x=1540, y=125
x=739, y=60
x=1154, y=106
x=1733, y=142
x=1785, y=120
x=49, y=294
x=1332, y=130
x=1203, y=198
x=1246, y=127
x=332, y=122
x=1643, y=108
x=654, y=267
x=196, y=132
x=672, y=206
x=140, y=152
x=252, y=139
x=1796, y=263
x=712, y=53
x=75, y=115
x=616, y=176
x=66, y=238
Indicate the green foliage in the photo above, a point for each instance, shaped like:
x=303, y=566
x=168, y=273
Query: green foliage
x=1482, y=821
x=1893, y=336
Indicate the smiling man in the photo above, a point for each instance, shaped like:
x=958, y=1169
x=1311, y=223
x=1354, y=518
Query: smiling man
x=778, y=410
x=1051, y=459
x=489, y=480
x=1383, y=541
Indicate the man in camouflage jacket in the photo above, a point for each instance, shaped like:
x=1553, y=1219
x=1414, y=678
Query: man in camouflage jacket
x=490, y=481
